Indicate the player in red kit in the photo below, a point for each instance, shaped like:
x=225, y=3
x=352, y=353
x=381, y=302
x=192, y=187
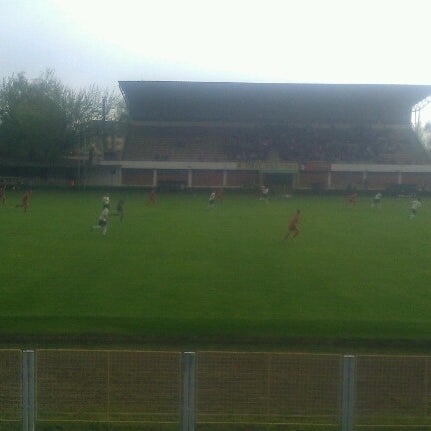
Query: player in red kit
x=25, y=201
x=3, y=194
x=219, y=195
x=152, y=198
x=292, y=228
x=352, y=199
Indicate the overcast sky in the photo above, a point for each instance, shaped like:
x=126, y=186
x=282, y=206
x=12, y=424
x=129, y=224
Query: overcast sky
x=321, y=41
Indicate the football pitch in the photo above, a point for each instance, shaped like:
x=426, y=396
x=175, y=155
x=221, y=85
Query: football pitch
x=178, y=271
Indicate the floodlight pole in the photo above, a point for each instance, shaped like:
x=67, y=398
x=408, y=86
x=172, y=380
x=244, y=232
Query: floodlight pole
x=103, y=125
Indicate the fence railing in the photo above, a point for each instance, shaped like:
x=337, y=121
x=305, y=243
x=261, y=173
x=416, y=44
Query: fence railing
x=213, y=390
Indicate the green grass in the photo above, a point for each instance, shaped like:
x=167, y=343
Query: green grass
x=177, y=271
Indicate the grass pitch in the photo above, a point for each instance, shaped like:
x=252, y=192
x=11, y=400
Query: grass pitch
x=178, y=271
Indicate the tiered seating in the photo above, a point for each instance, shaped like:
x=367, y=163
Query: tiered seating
x=300, y=143
x=174, y=144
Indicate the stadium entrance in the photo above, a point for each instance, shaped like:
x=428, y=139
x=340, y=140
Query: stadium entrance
x=280, y=177
x=278, y=181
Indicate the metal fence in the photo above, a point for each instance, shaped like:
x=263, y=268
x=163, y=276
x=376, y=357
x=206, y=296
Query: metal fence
x=213, y=390
x=268, y=388
x=10, y=386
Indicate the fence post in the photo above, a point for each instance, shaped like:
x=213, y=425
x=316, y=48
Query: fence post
x=28, y=390
x=189, y=391
x=349, y=388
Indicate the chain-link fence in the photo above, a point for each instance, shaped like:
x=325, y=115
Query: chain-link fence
x=108, y=386
x=268, y=388
x=83, y=389
x=10, y=389
x=393, y=391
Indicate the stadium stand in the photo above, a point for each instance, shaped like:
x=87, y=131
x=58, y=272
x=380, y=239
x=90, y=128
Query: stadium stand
x=287, y=143
x=264, y=128
x=291, y=122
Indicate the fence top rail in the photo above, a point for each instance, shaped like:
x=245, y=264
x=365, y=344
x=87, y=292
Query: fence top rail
x=223, y=352
x=111, y=351
x=395, y=356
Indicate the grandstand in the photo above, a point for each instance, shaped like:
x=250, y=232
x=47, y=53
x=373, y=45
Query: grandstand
x=200, y=134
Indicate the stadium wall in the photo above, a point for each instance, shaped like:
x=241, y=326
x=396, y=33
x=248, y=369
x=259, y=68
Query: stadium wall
x=138, y=177
x=232, y=175
x=103, y=175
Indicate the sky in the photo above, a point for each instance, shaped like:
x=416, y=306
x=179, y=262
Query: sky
x=307, y=41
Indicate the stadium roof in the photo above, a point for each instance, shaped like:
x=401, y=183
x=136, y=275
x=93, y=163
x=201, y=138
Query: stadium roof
x=271, y=103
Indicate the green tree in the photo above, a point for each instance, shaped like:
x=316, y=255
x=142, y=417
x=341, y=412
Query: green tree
x=42, y=119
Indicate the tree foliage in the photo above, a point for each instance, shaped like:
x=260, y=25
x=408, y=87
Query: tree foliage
x=42, y=119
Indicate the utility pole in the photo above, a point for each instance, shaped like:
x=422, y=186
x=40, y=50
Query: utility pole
x=103, y=125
